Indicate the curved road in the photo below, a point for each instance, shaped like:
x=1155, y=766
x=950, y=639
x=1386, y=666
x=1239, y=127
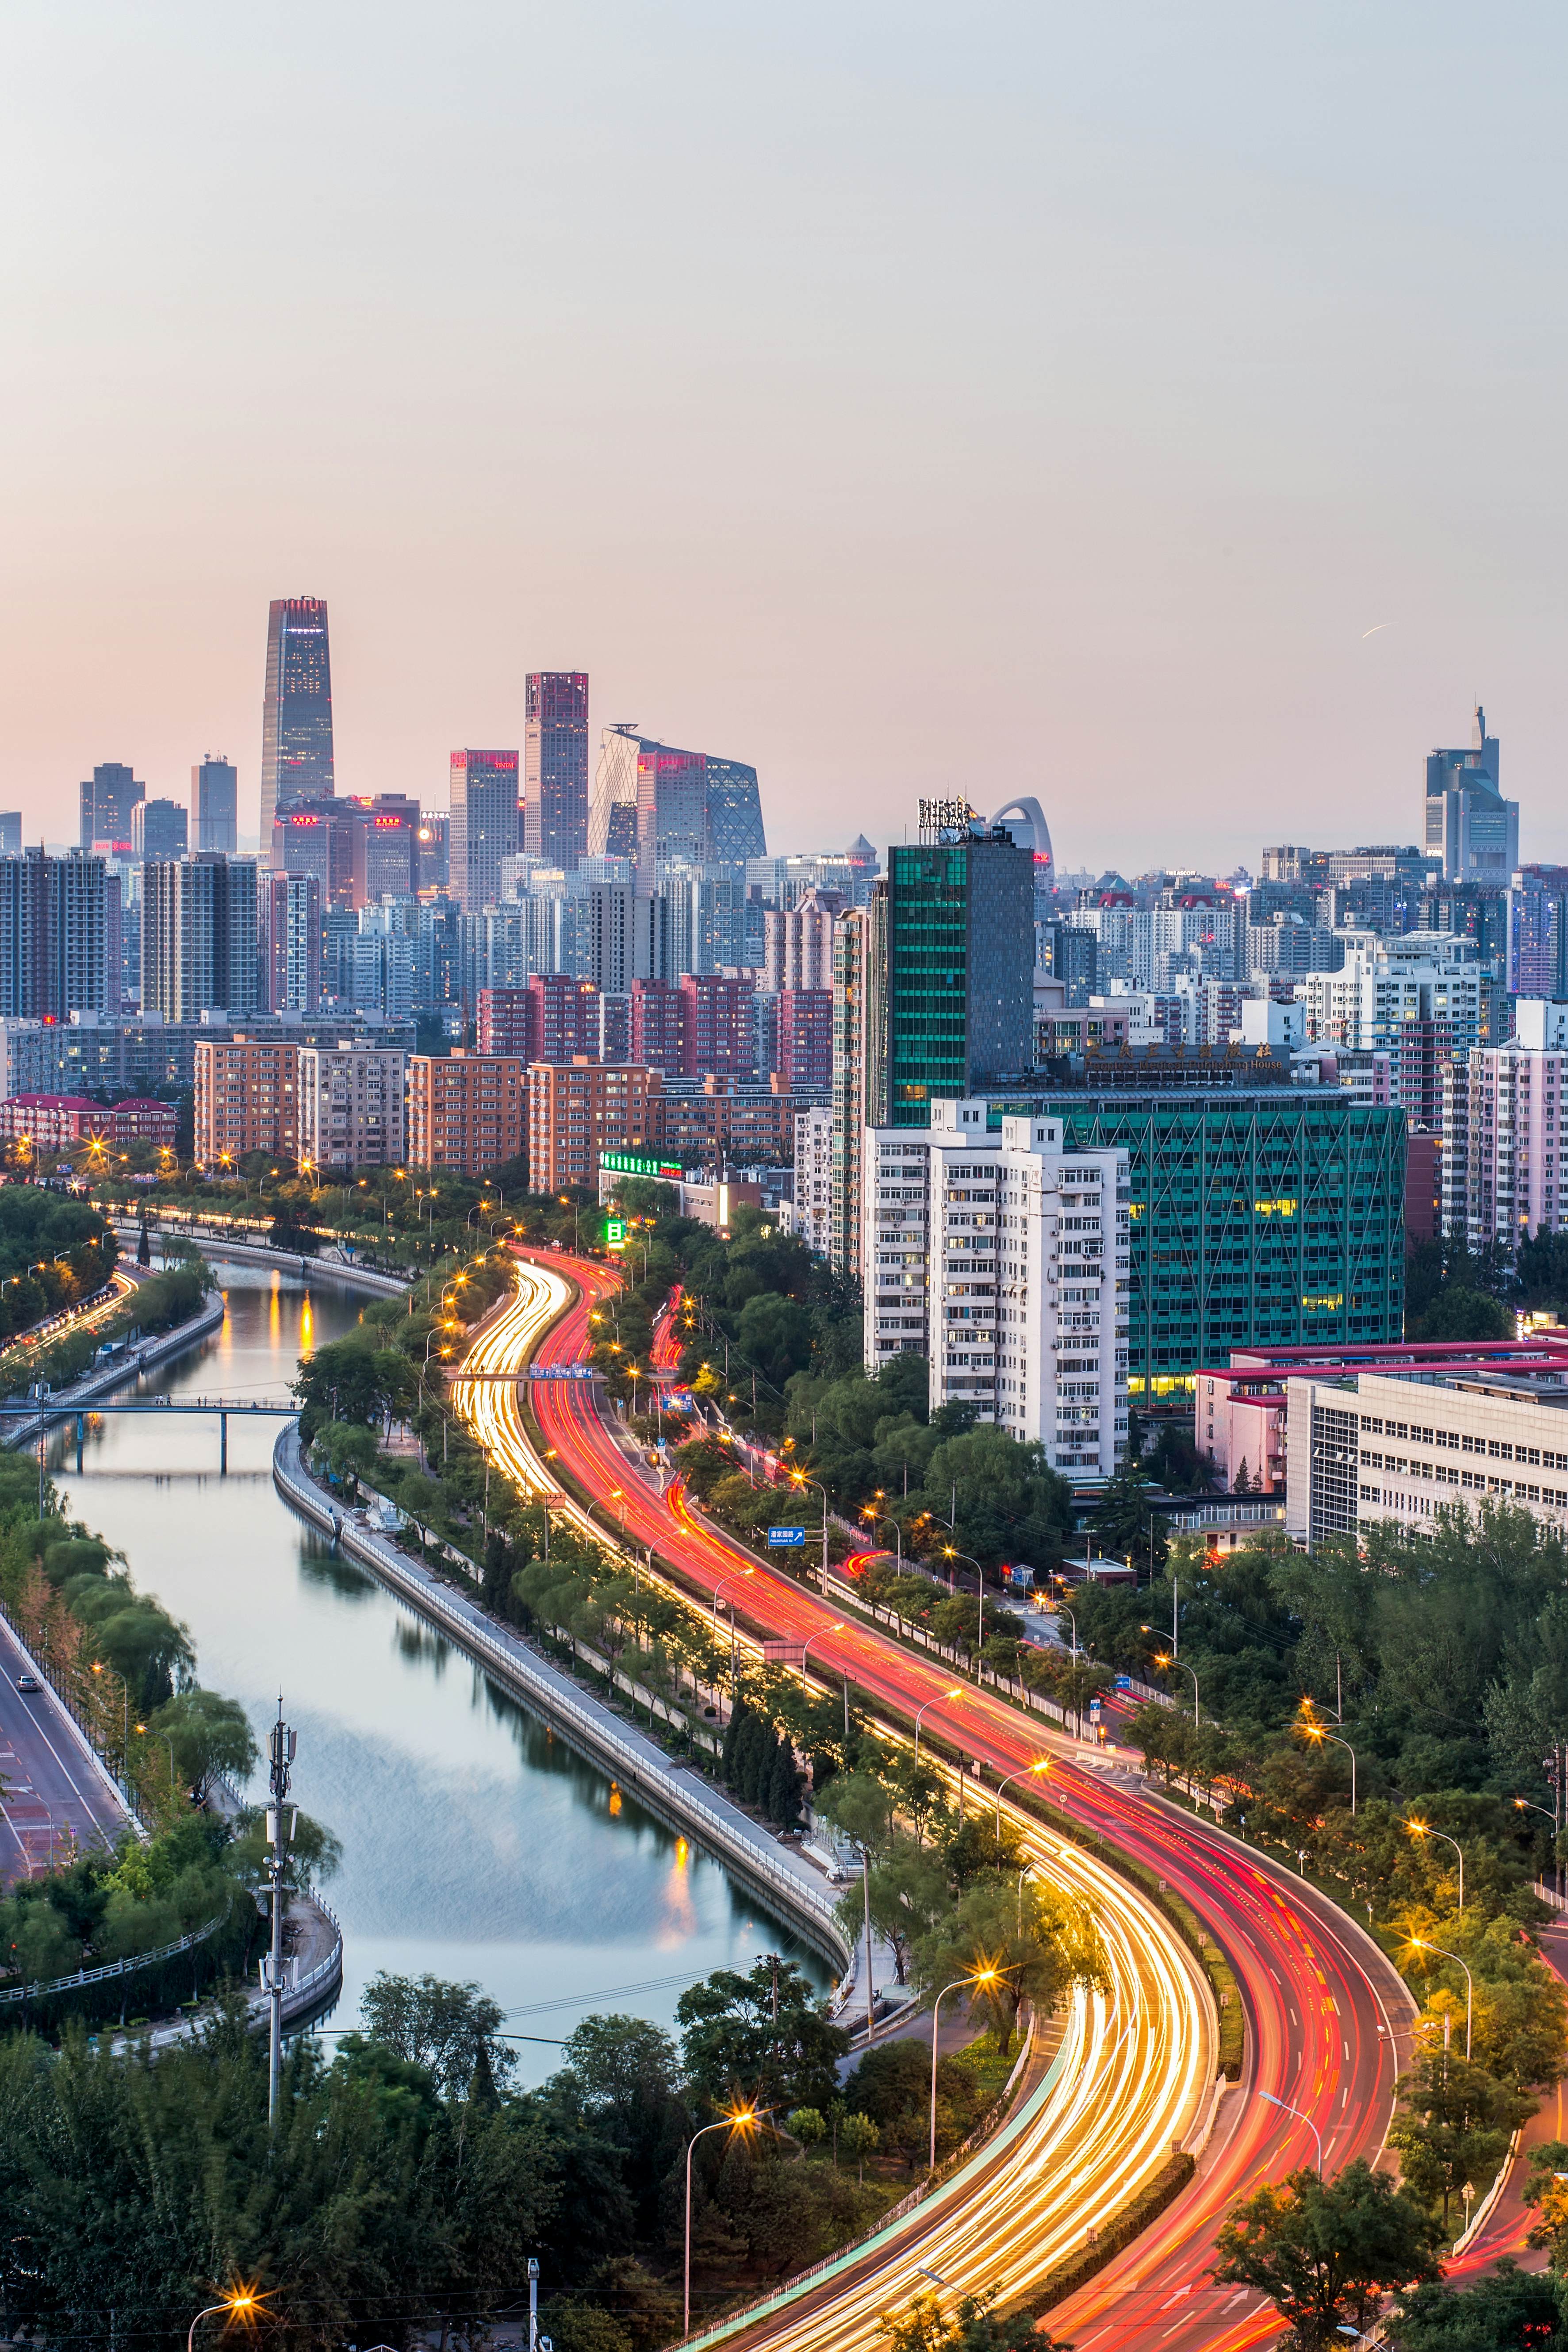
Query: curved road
x=1324, y=2008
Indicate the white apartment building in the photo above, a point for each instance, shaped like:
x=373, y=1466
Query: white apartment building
x=350, y=1106
x=1367, y=1447
x=1419, y=998
x=1004, y=1259
x=811, y=1211
x=1515, y=1144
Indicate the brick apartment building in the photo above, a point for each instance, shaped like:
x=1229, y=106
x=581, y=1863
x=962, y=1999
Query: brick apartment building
x=465, y=1110
x=805, y=1062
x=718, y=1025
x=247, y=1098
x=577, y=1110
x=655, y=1027
x=553, y=1019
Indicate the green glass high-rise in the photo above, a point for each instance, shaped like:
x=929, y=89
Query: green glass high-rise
x=1270, y=1217
x=951, y=1002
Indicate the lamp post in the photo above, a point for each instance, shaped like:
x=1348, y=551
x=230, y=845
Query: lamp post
x=1168, y=1660
x=799, y=1478
x=1316, y=1731
x=1063, y=1610
x=886, y=1519
x=743, y=2119
x=981, y=1975
x=241, y=2304
x=1422, y=1945
x=1523, y=1805
x=1043, y=1765
x=820, y=1635
x=948, y=1553
x=1300, y=2117
x=1425, y=1830
x=957, y=1692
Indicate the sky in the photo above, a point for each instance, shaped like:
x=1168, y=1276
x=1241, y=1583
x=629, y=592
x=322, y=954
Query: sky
x=1158, y=409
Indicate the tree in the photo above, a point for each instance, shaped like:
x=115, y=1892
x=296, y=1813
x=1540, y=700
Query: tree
x=909, y=1892
x=1125, y=1521
x=1455, y=2126
x=436, y=2024
x=1036, y=1941
x=1546, y=2189
x=859, y=2137
x=209, y=1736
x=1511, y=2308
x=732, y=2040
x=807, y=2125
x=1326, y=2252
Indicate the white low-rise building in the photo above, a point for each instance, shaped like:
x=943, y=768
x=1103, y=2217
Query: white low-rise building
x=1365, y=1448
x=1004, y=1260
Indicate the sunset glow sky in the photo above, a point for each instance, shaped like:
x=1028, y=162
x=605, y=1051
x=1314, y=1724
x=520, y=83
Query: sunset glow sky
x=991, y=398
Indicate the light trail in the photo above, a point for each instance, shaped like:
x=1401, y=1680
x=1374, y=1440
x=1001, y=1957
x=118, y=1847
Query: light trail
x=1134, y=2065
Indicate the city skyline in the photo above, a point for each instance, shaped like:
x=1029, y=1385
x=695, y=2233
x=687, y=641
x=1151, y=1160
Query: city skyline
x=1067, y=426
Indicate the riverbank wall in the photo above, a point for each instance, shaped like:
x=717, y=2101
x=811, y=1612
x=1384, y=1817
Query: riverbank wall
x=671, y=1791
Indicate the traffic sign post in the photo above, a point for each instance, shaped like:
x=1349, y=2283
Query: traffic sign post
x=785, y=1538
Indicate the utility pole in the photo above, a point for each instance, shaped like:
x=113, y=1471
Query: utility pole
x=281, y=1746
x=870, y=1991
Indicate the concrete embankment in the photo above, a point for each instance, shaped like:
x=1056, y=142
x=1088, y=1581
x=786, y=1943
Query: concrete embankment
x=773, y=1871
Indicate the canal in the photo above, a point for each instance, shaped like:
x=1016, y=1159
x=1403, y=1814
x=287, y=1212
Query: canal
x=476, y=1845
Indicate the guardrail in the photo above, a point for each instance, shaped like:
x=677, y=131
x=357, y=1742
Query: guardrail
x=593, y=1728
x=125, y=1968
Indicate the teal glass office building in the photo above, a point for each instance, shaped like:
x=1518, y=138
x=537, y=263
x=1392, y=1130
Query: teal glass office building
x=1276, y=1216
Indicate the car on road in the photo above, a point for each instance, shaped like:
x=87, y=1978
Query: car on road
x=29, y=1683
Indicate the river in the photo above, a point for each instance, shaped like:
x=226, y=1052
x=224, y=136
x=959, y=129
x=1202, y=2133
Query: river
x=475, y=1844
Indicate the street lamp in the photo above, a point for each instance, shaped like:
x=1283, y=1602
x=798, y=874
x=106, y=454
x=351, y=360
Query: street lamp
x=948, y=1553
x=1043, y=1765
x=1300, y=2117
x=742, y=2119
x=820, y=1635
x=886, y=1519
x=957, y=1692
x=1425, y=1830
x=1523, y=1805
x=799, y=1478
x=243, y=2303
x=1316, y=1731
x=1164, y=1658
x=981, y=1975
x=1422, y=1945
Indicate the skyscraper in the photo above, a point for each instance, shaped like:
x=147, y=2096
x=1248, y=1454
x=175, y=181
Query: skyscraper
x=10, y=832
x=659, y=804
x=106, y=801
x=291, y=930
x=54, y=916
x=159, y=829
x=482, y=826
x=215, y=796
x=951, y=1002
x=555, y=768
x=296, y=709
x=199, y=936
x=1469, y=826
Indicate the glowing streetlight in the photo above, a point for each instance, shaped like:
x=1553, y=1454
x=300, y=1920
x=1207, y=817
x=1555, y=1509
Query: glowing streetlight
x=957, y=1692
x=1042, y=1765
x=1425, y=1830
x=741, y=2119
x=1422, y=1945
x=981, y=1977
x=242, y=2304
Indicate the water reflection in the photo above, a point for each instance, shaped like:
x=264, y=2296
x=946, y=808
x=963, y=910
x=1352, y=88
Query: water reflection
x=476, y=1844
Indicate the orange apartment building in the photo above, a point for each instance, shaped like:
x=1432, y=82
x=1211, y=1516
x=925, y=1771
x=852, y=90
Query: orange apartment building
x=465, y=1110
x=247, y=1098
x=577, y=1110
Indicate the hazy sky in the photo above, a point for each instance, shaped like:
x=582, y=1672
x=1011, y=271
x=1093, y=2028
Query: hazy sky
x=983, y=398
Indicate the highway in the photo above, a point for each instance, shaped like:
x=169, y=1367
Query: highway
x=1323, y=2007
x=52, y=1795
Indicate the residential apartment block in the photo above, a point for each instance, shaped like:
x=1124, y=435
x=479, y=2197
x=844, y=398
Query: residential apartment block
x=465, y=1110
x=350, y=1102
x=811, y=1211
x=246, y=1098
x=1004, y=1259
x=578, y=1111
